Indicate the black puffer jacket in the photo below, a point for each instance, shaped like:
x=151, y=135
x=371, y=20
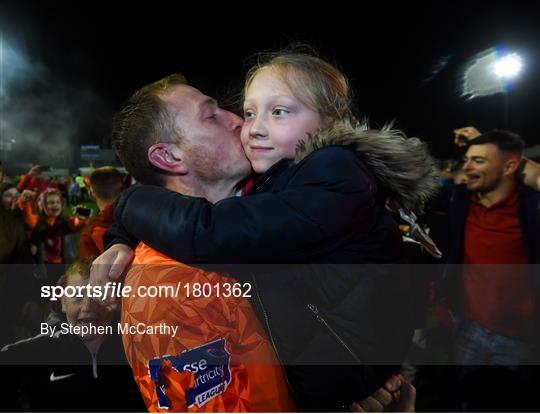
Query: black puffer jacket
x=338, y=322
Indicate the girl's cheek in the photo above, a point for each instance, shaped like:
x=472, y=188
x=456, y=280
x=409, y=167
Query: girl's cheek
x=291, y=147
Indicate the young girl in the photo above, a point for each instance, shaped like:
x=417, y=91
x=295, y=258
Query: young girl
x=330, y=325
x=48, y=226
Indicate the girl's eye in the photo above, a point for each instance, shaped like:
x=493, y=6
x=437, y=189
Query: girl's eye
x=280, y=112
x=248, y=114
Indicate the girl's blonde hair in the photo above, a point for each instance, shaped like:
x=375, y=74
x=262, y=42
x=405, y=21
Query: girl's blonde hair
x=313, y=81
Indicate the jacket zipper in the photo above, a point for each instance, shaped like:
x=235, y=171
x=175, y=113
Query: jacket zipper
x=267, y=323
x=93, y=354
x=262, y=183
x=94, y=365
x=321, y=319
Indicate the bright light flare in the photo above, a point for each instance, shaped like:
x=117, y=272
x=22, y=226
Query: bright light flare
x=509, y=66
x=491, y=71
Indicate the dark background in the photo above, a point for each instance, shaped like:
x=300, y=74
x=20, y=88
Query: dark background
x=405, y=62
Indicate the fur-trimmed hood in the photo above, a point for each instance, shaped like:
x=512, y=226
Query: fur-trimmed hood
x=402, y=166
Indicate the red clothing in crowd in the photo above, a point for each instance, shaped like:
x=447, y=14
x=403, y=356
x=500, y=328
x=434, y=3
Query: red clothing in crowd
x=34, y=183
x=496, y=287
x=49, y=230
x=91, y=241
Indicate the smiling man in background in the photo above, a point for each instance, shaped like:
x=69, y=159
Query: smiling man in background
x=493, y=233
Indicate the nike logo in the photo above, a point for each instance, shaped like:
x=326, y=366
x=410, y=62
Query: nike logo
x=54, y=378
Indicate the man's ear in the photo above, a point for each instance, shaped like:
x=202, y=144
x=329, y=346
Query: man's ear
x=511, y=165
x=167, y=157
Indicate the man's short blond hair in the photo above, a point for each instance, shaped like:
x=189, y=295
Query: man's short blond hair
x=144, y=120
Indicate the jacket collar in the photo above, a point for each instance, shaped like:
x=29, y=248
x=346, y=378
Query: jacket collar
x=402, y=166
x=274, y=170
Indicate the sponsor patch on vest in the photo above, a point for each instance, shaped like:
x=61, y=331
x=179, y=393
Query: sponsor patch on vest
x=209, y=363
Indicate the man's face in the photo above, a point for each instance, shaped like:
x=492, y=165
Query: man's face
x=210, y=135
x=484, y=166
x=84, y=311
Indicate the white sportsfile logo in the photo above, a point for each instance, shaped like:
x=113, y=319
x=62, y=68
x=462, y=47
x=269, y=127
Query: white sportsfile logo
x=54, y=378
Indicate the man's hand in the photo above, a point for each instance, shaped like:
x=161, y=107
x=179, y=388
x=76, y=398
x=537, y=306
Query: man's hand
x=397, y=395
x=463, y=135
x=110, y=266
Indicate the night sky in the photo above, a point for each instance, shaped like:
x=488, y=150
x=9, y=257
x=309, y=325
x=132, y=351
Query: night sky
x=405, y=62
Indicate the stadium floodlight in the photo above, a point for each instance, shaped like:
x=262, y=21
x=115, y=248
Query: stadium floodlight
x=509, y=66
x=489, y=72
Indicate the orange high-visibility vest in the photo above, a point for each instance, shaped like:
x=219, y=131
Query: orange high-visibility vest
x=219, y=360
